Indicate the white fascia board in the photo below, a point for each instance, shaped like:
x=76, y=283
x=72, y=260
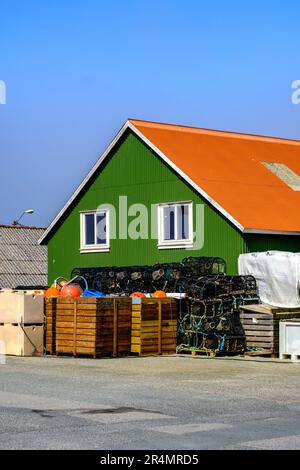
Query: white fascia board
x=84, y=182
x=186, y=178
x=270, y=232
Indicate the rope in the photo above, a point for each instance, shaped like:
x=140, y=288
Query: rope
x=29, y=339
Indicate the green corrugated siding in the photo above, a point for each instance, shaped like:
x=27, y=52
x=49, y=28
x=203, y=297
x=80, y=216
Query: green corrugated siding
x=134, y=170
x=271, y=242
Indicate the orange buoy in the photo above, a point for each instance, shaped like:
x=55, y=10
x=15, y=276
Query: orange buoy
x=137, y=294
x=70, y=290
x=159, y=293
x=52, y=292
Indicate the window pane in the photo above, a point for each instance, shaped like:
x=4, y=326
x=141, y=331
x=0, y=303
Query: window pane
x=89, y=229
x=182, y=222
x=169, y=223
x=101, y=228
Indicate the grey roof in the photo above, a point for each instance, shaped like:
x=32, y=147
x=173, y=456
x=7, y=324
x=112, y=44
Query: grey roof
x=22, y=261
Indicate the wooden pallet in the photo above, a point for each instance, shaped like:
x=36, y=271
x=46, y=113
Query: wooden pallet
x=154, y=326
x=199, y=352
x=292, y=357
x=88, y=326
x=261, y=326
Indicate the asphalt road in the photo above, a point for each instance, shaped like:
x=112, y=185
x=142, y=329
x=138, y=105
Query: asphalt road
x=149, y=403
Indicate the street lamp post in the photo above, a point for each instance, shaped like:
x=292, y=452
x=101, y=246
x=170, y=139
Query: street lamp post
x=17, y=221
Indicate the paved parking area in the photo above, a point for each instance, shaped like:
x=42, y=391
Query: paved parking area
x=149, y=403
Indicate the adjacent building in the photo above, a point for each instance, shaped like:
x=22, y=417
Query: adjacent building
x=23, y=262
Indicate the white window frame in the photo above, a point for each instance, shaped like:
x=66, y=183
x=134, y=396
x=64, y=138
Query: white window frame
x=95, y=248
x=177, y=243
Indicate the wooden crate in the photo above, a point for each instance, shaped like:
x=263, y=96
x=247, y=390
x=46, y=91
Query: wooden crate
x=88, y=326
x=154, y=326
x=261, y=326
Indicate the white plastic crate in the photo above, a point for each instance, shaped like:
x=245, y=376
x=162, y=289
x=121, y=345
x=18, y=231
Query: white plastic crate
x=289, y=340
x=17, y=307
x=17, y=340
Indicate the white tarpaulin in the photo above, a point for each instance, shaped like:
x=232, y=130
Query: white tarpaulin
x=277, y=274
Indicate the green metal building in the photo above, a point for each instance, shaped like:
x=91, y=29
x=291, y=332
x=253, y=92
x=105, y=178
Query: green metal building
x=194, y=186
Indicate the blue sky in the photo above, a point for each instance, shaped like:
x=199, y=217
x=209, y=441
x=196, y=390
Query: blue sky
x=76, y=70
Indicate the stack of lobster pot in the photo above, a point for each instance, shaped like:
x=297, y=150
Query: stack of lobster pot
x=21, y=323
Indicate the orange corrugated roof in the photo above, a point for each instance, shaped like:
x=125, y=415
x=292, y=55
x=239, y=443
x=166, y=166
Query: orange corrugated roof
x=227, y=167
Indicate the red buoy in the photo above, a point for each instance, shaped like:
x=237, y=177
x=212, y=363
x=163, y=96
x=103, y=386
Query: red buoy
x=70, y=291
x=137, y=294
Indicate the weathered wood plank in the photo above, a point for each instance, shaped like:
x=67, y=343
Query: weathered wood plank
x=256, y=316
x=259, y=333
x=258, y=322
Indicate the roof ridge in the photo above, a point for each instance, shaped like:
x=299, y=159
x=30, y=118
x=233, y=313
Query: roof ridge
x=220, y=133
x=22, y=226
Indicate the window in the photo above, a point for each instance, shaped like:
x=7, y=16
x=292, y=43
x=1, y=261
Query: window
x=94, y=231
x=284, y=173
x=175, y=225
